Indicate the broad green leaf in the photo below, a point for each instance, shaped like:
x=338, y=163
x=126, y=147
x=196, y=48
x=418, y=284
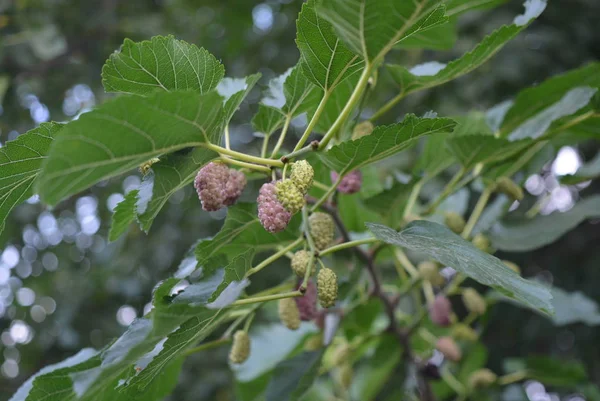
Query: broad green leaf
x=294, y=376
x=473, y=149
x=123, y=215
x=573, y=101
x=234, y=91
x=391, y=202
x=534, y=100
x=355, y=213
x=372, y=28
x=335, y=103
x=432, y=74
x=529, y=234
x=383, y=142
x=454, y=7
x=234, y=279
x=441, y=244
x=124, y=133
x=242, y=227
x=325, y=60
x=550, y=371
x=292, y=93
x=574, y=307
x=586, y=172
x=441, y=37
x=20, y=163
x=435, y=156
x=161, y=386
x=268, y=119
x=170, y=174
x=161, y=63
x=371, y=376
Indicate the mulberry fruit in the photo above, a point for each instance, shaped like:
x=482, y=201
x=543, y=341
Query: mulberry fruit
x=321, y=227
x=428, y=271
x=300, y=262
x=482, y=378
x=512, y=266
x=240, y=349
x=271, y=213
x=327, y=287
x=482, y=243
x=218, y=186
x=307, y=304
x=234, y=186
x=210, y=184
x=448, y=347
x=455, y=222
x=289, y=314
x=351, y=182
x=461, y=331
x=289, y=196
x=302, y=175
x=440, y=311
x=509, y=188
x=314, y=343
x=473, y=301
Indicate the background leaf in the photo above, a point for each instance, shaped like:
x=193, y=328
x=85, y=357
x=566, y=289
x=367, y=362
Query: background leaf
x=438, y=242
x=161, y=63
x=123, y=216
x=473, y=149
x=294, y=376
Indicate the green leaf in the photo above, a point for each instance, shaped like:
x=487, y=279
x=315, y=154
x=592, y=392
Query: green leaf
x=534, y=100
x=355, y=213
x=234, y=279
x=586, y=172
x=574, y=307
x=372, y=28
x=292, y=92
x=573, y=101
x=435, y=156
x=123, y=216
x=325, y=60
x=529, y=234
x=162, y=385
x=551, y=371
x=441, y=37
x=161, y=63
x=122, y=134
x=454, y=7
x=432, y=74
x=473, y=149
x=370, y=378
x=441, y=244
x=170, y=174
x=391, y=202
x=235, y=90
x=335, y=103
x=294, y=376
x=268, y=119
x=383, y=142
x=20, y=163
x=242, y=227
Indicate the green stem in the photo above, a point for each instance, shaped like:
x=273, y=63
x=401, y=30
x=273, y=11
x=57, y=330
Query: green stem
x=243, y=156
x=327, y=194
x=265, y=146
x=451, y=381
x=314, y=145
x=274, y=257
x=354, y=98
x=266, y=298
x=249, y=166
x=227, y=137
x=449, y=189
x=412, y=199
x=346, y=245
x=284, y=131
x=208, y=345
x=313, y=121
x=249, y=322
x=479, y=207
x=512, y=377
x=320, y=185
x=311, y=245
x=387, y=107
x=405, y=262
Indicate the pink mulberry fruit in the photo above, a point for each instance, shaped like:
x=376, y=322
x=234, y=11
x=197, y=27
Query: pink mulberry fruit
x=271, y=213
x=351, y=182
x=440, y=311
x=234, y=186
x=307, y=304
x=210, y=183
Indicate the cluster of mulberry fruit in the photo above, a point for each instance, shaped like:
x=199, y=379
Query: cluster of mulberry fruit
x=218, y=186
x=351, y=182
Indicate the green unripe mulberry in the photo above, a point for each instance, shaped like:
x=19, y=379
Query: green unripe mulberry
x=321, y=227
x=290, y=197
x=461, y=331
x=428, y=271
x=482, y=378
x=289, y=313
x=240, y=349
x=300, y=262
x=512, y=266
x=482, y=243
x=509, y=188
x=327, y=287
x=455, y=222
x=473, y=301
x=302, y=175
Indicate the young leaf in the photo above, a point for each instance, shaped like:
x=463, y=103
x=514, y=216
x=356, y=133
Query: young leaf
x=325, y=60
x=161, y=63
x=170, y=174
x=292, y=93
x=234, y=91
x=372, y=28
x=586, y=172
x=438, y=242
x=532, y=101
x=123, y=215
x=383, y=142
x=432, y=74
x=234, y=278
x=122, y=134
x=294, y=376
x=268, y=119
x=441, y=37
x=241, y=227
x=527, y=235
x=20, y=163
